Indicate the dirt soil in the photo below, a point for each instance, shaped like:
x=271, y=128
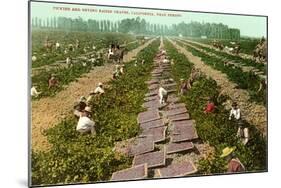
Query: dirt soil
x=252, y=112
x=49, y=111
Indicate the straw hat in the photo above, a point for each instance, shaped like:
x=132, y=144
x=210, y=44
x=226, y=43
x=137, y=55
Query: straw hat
x=227, y=151
x=88, y=109
x=99, y=84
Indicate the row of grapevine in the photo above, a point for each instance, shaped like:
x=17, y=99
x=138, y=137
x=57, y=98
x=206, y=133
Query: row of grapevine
x=76, y=158
x=215, y=128
x=245, y=80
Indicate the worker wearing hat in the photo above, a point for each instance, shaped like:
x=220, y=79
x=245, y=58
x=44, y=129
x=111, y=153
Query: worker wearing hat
x=79, y=106
x=99, y=89
x=234, y=164
x=85, y=124
x=234, y=112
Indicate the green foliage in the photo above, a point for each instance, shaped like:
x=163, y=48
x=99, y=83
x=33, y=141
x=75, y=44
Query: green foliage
x=86, y=39
x=240, y=60
x=76, y=158
x=245, y=80
x=247, y=45
x=215, y=128
x=63, y=75
x=66, y=75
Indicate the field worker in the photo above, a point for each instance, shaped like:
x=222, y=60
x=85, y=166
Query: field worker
x=77, y=44
x=210, y=107
x=110, y=51
x=34, y=58
x=34, y=92
x=57, y=45
x=142, y=62
x=116, y=72
x=85, y=124
x=183, y=86
x=243, y=133
x=263, y=84
x=91, y=96
x=235, y=112
x=163, y=94
x=234, y=164
x=94, y=47
x=99, y=89
x=166, y=60
x=68, y=60
x=80, y=106
x=163, y=52
x=93, y=60
x=53, y=82
x=85, y=49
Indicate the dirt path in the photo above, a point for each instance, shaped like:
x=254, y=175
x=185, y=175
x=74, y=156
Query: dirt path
x=243, y=67
x=252, y=112
x=49, y=111
x=242, y=55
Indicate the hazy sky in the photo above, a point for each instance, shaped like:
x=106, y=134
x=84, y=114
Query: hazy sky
x=249, y=25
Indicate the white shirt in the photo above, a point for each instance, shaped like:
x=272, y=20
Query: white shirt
x=110, y=52
x=162, y=92
x=85, y=123
x=235, y=113
x=34, y=92
x=68, y=61
x=166, y=61
x=99, y=90
x=34, y=58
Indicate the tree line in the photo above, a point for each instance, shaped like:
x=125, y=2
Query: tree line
x=139, y=26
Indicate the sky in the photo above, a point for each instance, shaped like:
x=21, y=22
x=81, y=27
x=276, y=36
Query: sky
x=252, y=26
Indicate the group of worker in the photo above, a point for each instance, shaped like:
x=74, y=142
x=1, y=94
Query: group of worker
x=83, y=111
x=234, y=164
x=53, y=83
